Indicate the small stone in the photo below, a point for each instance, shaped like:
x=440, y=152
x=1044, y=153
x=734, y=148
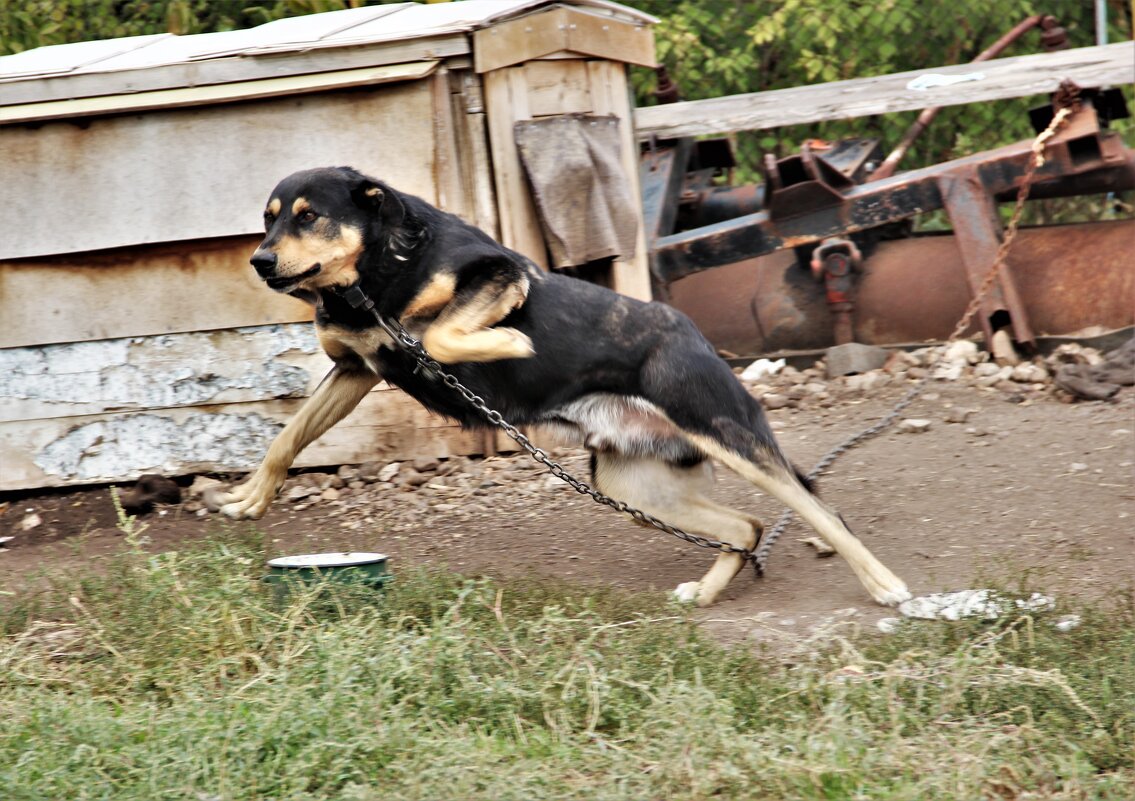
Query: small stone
x=823, y=550
x=410, y=477
x=796, y=393
x=30, y=521
x=347, y=472
x=987, y=369
x=357, y=484
x=368, y=471
x=1028, y=373
x=815, y=388
x=913, y=425
x=426, y=464
x=854, y=357
x=962, y=352
x=889, y=625
x=917, y=373
x=957, y=415
x=192, y=506
x=200, y=484
x=336, y=482
x=1066, y=622
x=299, y=492
x=389, y=472
x=774, y=401
x=1078, y=467
x=329, y=494
x=950, y=371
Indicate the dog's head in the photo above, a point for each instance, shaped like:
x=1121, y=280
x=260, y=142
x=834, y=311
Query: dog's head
x=317, y=223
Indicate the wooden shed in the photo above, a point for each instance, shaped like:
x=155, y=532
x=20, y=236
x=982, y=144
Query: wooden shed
x=134, y=336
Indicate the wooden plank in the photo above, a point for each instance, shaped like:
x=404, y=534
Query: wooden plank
x=160, y=372
x=215, y=94
x=558, y=87
x=506, y=102
x=130, y=292
x=1005, y=78
x=611, y=96
x=473, y=147
x=562, y=28
x=387, y=425
x=451, y=194
x=227, y=70
x=200, y=173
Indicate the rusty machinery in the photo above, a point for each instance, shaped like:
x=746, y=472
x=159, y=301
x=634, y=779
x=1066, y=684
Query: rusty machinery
x=830, y=202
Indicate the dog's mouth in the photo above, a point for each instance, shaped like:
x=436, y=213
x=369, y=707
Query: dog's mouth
x=287, y=282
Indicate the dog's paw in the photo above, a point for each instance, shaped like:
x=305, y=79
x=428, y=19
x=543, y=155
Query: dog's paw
x=687, y=592
x=890, y=592
x=252, y=508
x=519, y=343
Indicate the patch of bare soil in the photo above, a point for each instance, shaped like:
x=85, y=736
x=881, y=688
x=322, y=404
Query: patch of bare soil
x=1021, y=486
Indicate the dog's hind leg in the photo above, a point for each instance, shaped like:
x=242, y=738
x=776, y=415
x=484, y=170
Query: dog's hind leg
x=334, y=398
x=675, y=494
x=776, y=478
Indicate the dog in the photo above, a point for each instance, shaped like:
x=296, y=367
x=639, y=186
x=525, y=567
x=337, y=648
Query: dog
x=636, y=383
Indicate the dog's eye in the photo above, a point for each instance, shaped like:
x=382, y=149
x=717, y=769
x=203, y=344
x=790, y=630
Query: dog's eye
x=307, y=216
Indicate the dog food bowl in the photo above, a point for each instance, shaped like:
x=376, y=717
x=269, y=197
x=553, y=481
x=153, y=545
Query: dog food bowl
x=347, y=567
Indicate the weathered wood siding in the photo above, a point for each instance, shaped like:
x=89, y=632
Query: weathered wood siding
x=169, y=176
x=90, y=412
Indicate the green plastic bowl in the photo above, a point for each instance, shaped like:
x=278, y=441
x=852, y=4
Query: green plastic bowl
x=370, y=569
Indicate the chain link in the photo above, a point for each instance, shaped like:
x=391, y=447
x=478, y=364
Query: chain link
x=760, y=556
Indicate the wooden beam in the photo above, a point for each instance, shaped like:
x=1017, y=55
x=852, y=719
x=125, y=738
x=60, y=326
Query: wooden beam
x=885, y=94
x=562, y=28
x=506, y=102
x=611, y=95
x=212, y=95
x=227, y=70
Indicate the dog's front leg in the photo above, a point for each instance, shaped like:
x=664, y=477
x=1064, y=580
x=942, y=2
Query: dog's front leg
x=334, y=398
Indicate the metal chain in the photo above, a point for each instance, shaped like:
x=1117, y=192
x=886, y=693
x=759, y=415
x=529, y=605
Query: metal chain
x=357, y=298
x=760, y=556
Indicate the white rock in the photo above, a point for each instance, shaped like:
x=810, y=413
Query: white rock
x=1078, y=467
x=30, y=521
x=987, y=369
x=1028, y=373
x=1066, y=622
x=774, y=401
x=889, y=625
x=388, y=472
x=913, y=425
x=962, y=352
x=762, y=368
x=950, y=371
x=200, y=484
x=329, y=494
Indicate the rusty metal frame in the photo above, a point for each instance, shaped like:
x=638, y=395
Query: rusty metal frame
x=822, y=202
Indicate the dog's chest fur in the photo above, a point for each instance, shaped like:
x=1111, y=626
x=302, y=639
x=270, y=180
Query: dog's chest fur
x=347, y=344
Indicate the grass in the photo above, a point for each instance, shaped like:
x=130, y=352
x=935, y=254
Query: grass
x=179, y=676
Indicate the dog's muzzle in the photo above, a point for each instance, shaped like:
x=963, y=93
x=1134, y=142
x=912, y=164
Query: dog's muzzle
x=266, y=262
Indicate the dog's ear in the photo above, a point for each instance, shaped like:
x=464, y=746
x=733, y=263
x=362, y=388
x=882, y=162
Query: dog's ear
x=368, y=194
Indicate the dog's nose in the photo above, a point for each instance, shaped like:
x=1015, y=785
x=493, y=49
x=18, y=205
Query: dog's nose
x=265, y=262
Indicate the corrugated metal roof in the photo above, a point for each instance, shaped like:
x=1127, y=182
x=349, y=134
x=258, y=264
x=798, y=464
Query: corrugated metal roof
x=370, y=25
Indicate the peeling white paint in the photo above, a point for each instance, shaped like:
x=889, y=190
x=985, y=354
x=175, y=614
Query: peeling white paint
x=106, y=450
x=161, y=371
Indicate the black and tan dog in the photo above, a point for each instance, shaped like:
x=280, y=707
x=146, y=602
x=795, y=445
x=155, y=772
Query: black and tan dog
x=635, y=382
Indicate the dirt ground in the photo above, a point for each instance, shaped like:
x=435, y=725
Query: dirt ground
x=1024, y=487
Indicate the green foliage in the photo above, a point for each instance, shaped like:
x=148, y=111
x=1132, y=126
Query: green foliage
x=181, y=676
